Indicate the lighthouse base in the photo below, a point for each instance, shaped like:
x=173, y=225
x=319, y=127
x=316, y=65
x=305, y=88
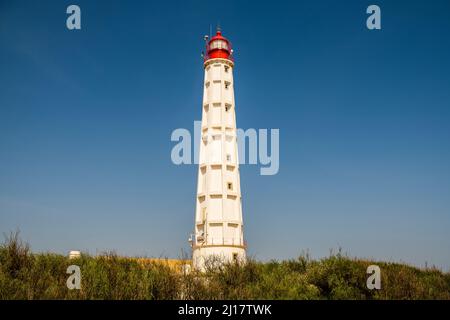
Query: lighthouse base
x=207, y=257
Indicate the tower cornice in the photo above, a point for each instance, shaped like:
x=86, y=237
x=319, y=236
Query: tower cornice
x=218, y=60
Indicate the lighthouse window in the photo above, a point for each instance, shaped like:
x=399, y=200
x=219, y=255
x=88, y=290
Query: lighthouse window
x=228, y=157
x=227, y=84
x=230, y=186
x=226, y=68
x=219, y=44
x=203, y=214
x=227, y=107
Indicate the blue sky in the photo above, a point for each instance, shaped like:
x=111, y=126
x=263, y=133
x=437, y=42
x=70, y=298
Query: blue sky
x=86, y=118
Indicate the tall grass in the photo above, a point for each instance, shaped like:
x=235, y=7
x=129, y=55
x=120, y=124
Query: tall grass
x=24, y=275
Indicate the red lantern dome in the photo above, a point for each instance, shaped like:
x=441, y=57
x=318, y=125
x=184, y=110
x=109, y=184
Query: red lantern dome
x=219, y=47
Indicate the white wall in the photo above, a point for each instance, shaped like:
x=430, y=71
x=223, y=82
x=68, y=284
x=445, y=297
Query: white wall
x=222, y=222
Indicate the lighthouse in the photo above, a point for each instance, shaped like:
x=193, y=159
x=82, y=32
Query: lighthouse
x=218, y=231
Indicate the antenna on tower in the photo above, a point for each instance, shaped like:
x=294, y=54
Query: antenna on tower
x=218, y=27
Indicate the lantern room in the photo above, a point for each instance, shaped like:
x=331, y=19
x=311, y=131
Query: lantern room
x=218, y=48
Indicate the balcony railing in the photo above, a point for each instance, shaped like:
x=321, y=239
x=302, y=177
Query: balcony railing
x=217, y=241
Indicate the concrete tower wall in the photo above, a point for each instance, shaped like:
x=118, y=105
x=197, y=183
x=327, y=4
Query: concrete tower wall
x=218, y=216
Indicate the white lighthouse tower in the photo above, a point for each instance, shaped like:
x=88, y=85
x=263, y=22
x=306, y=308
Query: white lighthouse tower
x=218, y=230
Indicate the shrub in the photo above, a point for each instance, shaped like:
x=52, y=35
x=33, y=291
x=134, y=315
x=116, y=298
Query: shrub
x=24, y=275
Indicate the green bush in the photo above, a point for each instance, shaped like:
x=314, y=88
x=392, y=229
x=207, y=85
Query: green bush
x=24, y=275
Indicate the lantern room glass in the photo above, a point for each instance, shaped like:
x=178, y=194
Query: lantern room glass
x=218, y=44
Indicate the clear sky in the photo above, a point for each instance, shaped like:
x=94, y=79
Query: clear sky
x=364, y=118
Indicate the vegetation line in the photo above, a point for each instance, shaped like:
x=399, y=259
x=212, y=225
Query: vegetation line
x=25, y=275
